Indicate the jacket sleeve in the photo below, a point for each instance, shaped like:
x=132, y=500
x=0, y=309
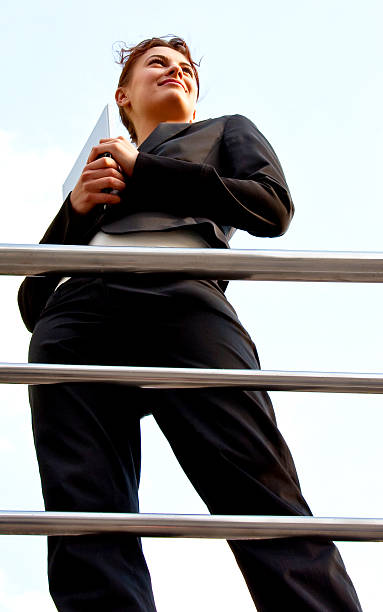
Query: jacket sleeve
x=68, y=227
x=248, y=191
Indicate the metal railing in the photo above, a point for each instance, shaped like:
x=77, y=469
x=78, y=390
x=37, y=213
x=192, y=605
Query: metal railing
x=168, y=378
x=310, y=266
x=190, y=526
x=227, y=264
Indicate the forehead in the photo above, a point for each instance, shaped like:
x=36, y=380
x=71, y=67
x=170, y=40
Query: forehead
x=167, y=52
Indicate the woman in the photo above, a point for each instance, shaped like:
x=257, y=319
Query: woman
x=187, y=184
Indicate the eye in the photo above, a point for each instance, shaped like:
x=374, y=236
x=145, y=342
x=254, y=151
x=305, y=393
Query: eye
x=157, y=60
x=188, y=70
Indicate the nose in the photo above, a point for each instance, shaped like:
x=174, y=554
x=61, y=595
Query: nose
x=175, y=70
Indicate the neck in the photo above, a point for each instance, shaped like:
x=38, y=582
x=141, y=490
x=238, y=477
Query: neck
x=144, y=129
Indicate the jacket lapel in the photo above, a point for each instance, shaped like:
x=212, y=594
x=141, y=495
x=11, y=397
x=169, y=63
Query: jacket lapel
x=162, y=133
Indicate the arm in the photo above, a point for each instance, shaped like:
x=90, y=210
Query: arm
x=68, y=227
x=73, y=224
x=253, y=194
x=84, y=206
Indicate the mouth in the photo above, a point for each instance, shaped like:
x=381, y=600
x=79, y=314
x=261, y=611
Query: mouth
x=169, y=81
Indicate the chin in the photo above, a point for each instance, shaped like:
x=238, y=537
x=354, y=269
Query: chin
x=176, y=113
x=172, y=106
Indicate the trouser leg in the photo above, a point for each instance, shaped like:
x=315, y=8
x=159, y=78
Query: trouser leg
x=87, y=439
x=239, y=464
x=90, y=464
x=228, y=444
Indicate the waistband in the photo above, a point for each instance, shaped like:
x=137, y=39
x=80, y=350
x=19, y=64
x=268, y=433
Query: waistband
x=183, y=237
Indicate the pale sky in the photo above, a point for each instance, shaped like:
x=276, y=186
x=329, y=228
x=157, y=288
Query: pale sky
x=308, y=74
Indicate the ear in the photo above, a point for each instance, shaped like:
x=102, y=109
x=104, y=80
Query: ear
x=121, y=97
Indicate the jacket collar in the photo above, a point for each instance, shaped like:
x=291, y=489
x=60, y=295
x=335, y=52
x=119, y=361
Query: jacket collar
x=163, y=132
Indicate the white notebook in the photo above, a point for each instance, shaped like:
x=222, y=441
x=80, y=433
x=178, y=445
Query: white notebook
x=101, y=130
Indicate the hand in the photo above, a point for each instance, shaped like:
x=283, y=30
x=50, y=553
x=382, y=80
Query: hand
x=122, y=151
x=103, y=173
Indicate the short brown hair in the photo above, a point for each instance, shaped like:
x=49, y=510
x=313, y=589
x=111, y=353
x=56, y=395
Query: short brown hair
x=129, y=56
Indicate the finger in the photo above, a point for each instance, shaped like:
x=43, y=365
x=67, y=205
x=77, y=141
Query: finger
x=110, y=146
x=115, y=146
x=106, y=140
x=91, y=174
x=102, y=162
x=116, y=139
x=97, y=151
x=108, y=182
x=104, y=155
x=105, y=198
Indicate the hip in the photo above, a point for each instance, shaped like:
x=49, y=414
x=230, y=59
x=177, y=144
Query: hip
x=146, y=320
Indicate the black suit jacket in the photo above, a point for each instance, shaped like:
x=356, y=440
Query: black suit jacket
x=215, y=175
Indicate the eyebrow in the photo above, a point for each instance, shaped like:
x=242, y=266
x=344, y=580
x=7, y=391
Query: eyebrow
x=166, y=59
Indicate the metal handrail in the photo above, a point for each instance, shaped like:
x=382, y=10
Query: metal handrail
x=152, y=377
x=195, y=263
x=325, y=266
x=191, y=526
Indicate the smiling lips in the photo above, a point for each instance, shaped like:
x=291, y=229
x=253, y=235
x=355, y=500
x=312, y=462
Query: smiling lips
x=172, y=81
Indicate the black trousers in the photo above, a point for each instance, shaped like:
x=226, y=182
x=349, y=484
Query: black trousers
x=87, y=438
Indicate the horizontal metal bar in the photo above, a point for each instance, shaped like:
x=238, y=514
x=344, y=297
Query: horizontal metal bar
x=191, y=526
x=168, y=378
x=226, y=264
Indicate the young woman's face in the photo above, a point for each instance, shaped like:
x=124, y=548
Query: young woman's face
x=162, y=87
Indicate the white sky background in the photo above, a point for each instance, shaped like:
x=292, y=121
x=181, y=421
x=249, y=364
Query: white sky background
x=308, y=73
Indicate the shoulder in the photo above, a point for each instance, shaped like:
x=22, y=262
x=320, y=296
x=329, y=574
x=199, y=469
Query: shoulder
x=225, y=120
x=226, y=127
x=239, y=123
x=242, y=131
x=234, y=129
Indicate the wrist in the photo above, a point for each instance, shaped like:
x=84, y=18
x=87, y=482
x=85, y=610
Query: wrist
x=132, y=163
x=75, y=208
